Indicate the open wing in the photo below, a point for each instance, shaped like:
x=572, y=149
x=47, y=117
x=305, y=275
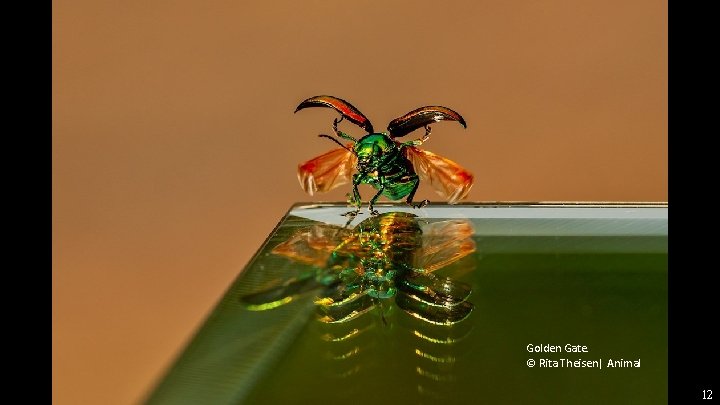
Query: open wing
x=327, y=171
x=278, y=296
x=448, y=179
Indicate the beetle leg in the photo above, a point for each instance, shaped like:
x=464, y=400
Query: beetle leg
x=340, y=133
x=351, y=216
x=372, y=201
x=356, y=199
x=422, y=204
x=418, y=142
x=425, y=137
x=427, y=133
x=351, y=213
x=412, y=194
x=336, y=122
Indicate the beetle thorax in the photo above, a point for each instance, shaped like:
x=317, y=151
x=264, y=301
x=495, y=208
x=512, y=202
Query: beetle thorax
x=373, y=151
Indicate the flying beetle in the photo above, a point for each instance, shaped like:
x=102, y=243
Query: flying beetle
x=392, y=167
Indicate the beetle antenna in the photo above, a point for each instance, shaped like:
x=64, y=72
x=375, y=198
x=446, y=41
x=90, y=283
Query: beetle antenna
x=337, y=142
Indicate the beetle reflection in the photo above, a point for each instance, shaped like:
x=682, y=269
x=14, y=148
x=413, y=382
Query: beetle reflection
x=385, y=258
x=424, y=358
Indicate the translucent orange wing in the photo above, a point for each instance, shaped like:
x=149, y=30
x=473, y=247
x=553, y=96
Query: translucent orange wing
x=327, y=171
x=448, y=179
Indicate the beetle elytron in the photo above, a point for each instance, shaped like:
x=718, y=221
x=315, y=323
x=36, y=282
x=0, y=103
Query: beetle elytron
x=392, y=167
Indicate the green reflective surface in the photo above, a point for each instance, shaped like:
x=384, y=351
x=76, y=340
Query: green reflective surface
x=579, y=275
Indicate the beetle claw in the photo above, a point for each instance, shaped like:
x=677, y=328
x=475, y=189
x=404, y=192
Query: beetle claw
x=352, y=214
x=421, y=204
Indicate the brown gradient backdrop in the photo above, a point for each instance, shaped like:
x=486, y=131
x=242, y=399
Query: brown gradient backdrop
x=175, y=144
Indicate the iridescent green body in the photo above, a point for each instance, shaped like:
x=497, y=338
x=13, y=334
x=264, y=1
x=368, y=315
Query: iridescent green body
x=383, y=165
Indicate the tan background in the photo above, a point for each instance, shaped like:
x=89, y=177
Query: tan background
x=175, y=143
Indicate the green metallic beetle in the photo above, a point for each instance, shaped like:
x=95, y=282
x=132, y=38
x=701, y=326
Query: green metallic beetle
x=392, y=167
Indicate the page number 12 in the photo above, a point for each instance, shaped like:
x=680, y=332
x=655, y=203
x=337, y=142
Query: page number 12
x=707, y=394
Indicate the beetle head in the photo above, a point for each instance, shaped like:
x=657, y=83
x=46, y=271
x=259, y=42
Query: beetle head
x=368, y=158
x=371, y=150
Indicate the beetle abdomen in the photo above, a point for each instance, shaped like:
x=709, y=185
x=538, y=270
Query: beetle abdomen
x=400, y=188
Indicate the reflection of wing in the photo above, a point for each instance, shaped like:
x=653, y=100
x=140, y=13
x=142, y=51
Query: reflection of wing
x=280, y=295
x=444, y=243
x=327, y=171
x=312, y=245
x=447, y=178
